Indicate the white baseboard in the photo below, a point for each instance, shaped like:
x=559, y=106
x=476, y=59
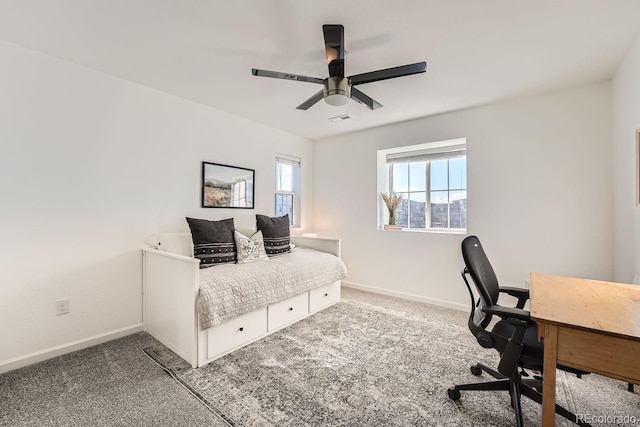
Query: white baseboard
x=405, y=295
x=48, y=353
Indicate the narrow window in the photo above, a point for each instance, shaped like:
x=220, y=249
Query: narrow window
x=287, y=187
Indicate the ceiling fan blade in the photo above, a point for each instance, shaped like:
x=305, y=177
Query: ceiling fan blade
x=389, y=73
x=365, y=100
x=334, y=46
x=309, y=102
x=285, y=76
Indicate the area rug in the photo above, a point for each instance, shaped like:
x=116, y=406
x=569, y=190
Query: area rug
x=357, y=364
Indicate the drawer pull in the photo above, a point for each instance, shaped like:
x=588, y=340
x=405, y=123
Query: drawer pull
x=241, y=329
x=326, y=295
x=290, y=308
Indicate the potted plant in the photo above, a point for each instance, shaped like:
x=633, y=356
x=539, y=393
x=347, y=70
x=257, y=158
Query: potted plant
x=392, y=201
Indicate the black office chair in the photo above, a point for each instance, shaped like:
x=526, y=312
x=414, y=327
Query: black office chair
x=515, y=336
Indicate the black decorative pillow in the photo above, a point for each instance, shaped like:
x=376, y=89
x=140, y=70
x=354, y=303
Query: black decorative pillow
x=275, y=232
x=213, y=241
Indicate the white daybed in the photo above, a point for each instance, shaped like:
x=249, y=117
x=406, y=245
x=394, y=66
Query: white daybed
x=171, y=285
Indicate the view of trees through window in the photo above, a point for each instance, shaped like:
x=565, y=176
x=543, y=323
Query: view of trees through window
x=434, y=192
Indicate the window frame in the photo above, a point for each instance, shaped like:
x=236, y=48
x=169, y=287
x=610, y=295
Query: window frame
x=296, y=185
x=427, y=153
x=428, y=192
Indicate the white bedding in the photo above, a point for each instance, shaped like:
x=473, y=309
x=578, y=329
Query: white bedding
x=229, y=290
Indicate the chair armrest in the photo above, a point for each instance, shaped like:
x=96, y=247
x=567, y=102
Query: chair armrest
x=511, y=348
x=521, y=294
x=509, y=313
x=516, y=292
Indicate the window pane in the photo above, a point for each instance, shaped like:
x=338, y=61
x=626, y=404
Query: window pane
x=458, y=209
x=278, y=168
x=417, y=213
x=418, y=176
x=402, y=215
x=457, y=195
x=458, y=173
x=284, y=177
x=439, y=175
x=439, y=209
x=284, y=205
x=400, y=177
x=439, y=197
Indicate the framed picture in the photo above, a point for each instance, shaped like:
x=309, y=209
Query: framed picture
x=225, y=186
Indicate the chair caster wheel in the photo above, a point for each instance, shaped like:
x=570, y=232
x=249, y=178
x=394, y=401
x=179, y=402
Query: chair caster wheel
x=476, y=371
x=453, y=394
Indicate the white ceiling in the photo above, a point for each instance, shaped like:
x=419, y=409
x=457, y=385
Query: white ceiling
x=477, y=51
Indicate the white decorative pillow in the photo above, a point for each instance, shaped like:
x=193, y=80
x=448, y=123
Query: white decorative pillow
x=250, y=249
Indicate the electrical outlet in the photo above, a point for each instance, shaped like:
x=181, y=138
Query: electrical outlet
x=62, y=306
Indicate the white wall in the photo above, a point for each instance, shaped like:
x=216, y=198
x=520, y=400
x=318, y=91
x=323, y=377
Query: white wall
x=626, y=119
x=89, y=166
x=539, y=180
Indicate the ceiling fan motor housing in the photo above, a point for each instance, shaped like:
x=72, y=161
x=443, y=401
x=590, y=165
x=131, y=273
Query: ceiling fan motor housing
x=337, y=90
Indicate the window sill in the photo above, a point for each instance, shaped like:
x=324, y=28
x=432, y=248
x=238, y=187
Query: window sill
x=427, y=231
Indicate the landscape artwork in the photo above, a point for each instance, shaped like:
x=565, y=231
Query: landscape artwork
x=226, y=186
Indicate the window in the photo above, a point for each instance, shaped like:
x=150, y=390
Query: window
x=432, y=179
x=287, y=187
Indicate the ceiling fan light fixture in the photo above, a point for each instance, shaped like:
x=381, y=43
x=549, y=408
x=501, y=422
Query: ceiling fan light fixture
x=337, y=91
x=336, y=100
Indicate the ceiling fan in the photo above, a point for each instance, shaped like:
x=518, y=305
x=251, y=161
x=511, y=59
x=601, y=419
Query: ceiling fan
x=338, y=88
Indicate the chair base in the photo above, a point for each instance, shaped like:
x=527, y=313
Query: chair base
x=517, y=386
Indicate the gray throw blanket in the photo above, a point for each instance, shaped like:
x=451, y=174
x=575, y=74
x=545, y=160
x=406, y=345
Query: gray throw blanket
x=229, y=290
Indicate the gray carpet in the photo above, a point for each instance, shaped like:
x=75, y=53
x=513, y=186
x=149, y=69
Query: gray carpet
x=112, y=384
x=393, y=374
x=360, y=364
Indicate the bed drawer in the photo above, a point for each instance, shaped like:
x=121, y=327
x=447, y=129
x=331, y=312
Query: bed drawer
x=287, y=311
x=236, y=332
x=324, y=296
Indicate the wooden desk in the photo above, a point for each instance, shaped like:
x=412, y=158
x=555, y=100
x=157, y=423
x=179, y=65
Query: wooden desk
x=586, y=324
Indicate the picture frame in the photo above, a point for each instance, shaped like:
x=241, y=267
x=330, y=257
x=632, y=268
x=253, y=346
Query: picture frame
x=225, y=186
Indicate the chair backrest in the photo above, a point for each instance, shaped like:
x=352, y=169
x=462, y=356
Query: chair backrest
x=480, y=269
x=477, y=265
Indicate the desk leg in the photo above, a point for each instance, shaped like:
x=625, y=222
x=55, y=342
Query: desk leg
x=549, y=375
